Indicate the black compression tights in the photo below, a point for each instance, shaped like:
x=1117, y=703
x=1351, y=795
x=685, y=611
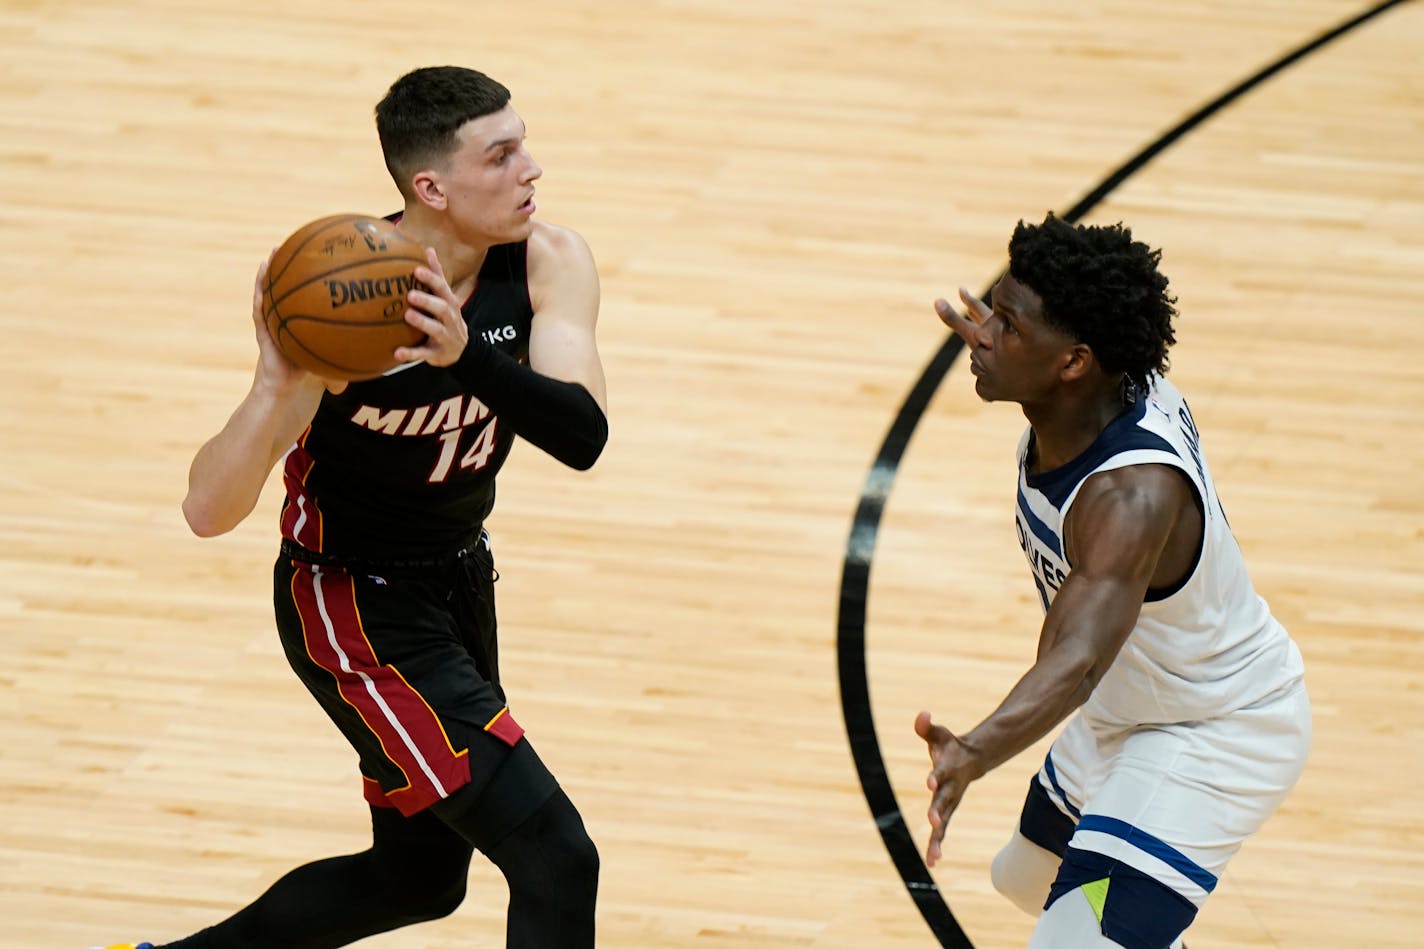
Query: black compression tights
x=415, y=871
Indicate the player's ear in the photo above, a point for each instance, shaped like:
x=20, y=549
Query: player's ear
x=427, y=187
x=1078, y=360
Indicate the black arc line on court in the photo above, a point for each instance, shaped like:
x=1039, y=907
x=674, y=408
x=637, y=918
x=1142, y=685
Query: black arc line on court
x=865, y=528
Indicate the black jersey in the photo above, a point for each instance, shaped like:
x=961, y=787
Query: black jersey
x=403, y=465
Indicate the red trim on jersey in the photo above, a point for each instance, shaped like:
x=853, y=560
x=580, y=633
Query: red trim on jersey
x=407, y=727
x=301, y=519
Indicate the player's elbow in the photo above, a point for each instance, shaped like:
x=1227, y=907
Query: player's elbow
x=586, y=441
x=1082, y=671
x=583, y=458
x=203, y=520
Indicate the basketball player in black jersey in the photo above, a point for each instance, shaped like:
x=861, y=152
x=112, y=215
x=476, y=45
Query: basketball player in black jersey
x=384, y=583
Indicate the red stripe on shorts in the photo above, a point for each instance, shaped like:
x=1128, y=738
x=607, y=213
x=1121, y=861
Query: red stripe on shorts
x=408, y=729
x=504, y=727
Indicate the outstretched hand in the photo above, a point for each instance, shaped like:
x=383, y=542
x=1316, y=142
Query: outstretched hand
x=965, y=325
x=954, y=766
x=435, y=311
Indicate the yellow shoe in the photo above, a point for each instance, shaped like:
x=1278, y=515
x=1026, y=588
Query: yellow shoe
x=128, y=945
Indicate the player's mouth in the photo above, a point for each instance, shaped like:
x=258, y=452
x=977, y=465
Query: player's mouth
x=527, y=208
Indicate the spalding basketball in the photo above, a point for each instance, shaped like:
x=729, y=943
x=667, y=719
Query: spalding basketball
x=334, y=296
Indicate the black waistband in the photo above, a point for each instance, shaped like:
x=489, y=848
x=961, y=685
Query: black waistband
x=297, y=552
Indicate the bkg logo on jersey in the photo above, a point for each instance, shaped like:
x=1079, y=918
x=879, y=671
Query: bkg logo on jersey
x=505, y=333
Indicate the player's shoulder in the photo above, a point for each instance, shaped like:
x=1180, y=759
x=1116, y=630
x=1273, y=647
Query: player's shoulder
x=1133, y=499
x=557, y=245
x=561, y=266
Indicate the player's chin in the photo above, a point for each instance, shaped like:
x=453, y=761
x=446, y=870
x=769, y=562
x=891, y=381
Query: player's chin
x=520, y=229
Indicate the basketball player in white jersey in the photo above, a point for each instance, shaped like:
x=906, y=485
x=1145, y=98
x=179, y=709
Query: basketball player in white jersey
x=1192, y=721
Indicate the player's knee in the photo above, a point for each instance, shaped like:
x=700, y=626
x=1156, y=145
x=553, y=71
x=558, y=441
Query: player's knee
x=436, y=903
x=1023, y=872
x=425, y=893
x=572, y=855
x=550, y=855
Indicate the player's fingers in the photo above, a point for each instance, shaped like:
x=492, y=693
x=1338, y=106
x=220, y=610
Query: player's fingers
x=935, y=736
x=923, y=724
x=944, y=802
x=436, y=331
x=438, y=307
x=934, y=850
x=258, y=281
x=433, y=277
x=977, y=309
x=433, y=259
x=951, y=317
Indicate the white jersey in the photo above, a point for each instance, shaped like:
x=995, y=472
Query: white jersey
x=1204, y=649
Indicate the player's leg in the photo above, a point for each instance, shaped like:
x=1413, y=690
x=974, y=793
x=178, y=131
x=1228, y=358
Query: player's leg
x=520, y=819
x=1025, y=868
x=415, y=870
x=551, y=865
x=527, y=827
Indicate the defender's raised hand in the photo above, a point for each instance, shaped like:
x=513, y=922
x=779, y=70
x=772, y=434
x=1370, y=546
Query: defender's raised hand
x=966, y=325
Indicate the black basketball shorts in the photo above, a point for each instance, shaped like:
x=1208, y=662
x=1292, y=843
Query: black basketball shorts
x=403, y=658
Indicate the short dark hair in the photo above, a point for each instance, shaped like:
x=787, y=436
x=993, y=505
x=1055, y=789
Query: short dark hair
x=1101, y=287
x=421, y=112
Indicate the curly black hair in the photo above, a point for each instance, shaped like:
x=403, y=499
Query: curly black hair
x=1101, y=287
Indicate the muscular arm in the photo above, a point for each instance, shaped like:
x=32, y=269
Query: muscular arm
x=564, y=290
x=228, y=472
x=1116, y=533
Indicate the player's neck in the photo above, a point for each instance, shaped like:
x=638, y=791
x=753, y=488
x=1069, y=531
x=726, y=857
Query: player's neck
x=1065, y=426
x=461, y=262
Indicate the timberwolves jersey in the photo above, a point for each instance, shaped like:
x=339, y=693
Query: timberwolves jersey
x=403, y=465
x=1205, y=648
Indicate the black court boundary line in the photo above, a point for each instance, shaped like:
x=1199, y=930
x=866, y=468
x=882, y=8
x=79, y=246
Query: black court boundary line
x=860, y=545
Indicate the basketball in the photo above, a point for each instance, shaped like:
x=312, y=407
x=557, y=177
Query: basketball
x=334, y=296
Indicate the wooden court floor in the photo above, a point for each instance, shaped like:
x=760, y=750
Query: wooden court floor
x=775, y=192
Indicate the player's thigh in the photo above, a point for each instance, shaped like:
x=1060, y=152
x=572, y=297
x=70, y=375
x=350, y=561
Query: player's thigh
x=1072, y=923
x=1174, y=806
x=385, y=659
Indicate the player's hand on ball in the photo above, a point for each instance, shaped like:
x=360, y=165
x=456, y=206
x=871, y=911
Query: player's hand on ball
x=435, y=311
x=954, y=767
x=273, y=367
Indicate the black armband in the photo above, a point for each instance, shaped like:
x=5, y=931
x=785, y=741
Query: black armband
x=560, y=417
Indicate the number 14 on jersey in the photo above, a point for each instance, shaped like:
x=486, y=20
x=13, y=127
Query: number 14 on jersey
x=475, y=457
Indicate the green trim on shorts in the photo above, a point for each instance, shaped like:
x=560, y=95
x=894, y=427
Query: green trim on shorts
x=1097, y=894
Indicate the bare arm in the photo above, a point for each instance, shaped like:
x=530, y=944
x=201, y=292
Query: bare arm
x=563, y=287
x=1116, y=533
x=228, y=472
